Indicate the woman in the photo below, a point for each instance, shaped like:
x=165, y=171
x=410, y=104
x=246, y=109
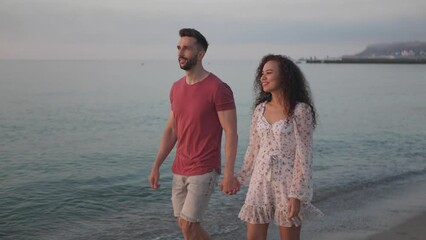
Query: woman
x=277, y=164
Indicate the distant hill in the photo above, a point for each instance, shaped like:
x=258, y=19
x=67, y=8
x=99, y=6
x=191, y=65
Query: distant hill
x=402, y=50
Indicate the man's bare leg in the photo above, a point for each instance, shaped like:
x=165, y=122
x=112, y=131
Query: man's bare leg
x=192, y=230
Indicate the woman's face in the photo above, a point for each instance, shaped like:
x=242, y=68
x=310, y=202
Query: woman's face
x=270, y=78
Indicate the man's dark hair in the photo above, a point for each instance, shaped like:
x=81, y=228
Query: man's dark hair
x=190, y=32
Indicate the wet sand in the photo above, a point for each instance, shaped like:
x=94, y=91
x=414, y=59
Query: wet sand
x=393, y=209
x=412, y=229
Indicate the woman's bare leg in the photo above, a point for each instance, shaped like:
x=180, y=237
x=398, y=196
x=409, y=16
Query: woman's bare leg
x=257, y=231
x=290, y=233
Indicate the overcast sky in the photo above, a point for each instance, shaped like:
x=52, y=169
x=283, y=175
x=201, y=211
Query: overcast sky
x=236, y=29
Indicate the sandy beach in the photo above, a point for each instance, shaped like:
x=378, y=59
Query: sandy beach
x=393, y=209
x=413, y=229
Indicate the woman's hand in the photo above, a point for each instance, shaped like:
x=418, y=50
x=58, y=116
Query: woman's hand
x=293, y=208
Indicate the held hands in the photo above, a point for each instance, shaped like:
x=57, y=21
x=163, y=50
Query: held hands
x=230, y=185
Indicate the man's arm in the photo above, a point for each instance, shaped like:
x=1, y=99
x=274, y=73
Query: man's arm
x=228, y=120
x=168, y=141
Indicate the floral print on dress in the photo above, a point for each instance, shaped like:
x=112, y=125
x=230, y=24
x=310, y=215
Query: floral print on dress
x=278, y=166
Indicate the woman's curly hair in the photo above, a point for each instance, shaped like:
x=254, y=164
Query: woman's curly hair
x=295, y=89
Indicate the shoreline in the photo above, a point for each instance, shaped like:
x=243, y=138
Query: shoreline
x=413, y=229
x=372, y=213
x=368, y=61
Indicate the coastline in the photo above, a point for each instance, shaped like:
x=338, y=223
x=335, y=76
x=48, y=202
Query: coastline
x=369, y=61
x=372, y=213
x=413, y=229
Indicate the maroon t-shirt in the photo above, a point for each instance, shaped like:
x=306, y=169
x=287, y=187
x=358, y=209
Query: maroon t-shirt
x=198, y=129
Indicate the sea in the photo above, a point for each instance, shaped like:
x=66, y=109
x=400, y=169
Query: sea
x=78, y=139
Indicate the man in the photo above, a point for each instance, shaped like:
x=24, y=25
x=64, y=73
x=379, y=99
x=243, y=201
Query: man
x=202, y=106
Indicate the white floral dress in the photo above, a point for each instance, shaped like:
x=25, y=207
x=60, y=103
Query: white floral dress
x=277, y=166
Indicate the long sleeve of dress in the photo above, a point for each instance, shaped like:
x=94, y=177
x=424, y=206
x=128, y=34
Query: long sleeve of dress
x=246, y=170
x=301, y=185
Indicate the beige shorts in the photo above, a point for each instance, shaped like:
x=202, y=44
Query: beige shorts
x=191, y=195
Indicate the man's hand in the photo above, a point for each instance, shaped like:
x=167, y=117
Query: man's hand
x=153, y=178
x=230, y=185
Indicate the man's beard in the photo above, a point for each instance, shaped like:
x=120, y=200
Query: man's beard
x=189, y=63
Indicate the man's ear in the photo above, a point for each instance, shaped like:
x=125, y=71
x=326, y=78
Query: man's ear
x=201, y=54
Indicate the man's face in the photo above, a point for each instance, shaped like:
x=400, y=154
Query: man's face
x=187, y=53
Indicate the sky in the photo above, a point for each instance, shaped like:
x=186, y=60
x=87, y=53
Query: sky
x=235, y=29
